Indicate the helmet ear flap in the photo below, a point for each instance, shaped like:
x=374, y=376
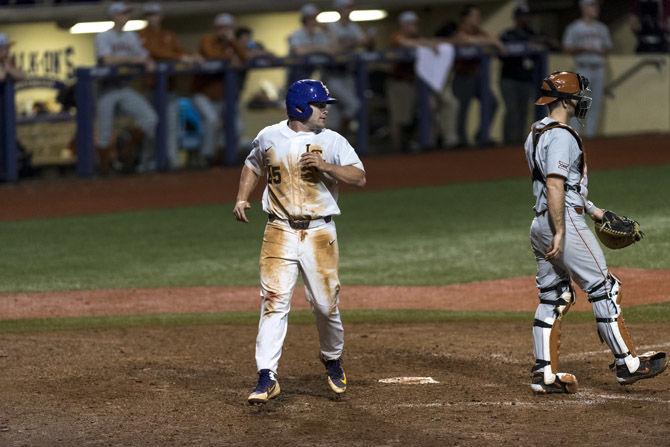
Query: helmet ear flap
x=301, y=111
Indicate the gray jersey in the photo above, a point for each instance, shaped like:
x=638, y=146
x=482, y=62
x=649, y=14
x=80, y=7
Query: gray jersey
x=557, y=153
x=115, y=43
x=593, y=36
x=348, y=35
x=301, y=38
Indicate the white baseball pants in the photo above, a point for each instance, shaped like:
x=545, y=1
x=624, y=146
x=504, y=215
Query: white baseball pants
x=286, y=253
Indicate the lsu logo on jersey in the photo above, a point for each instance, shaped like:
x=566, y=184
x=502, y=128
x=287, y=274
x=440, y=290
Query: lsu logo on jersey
x=311, y=175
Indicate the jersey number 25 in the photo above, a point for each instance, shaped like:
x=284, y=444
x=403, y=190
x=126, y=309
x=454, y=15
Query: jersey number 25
x=274, y=175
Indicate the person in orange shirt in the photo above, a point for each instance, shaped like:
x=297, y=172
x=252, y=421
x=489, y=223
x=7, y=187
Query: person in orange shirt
x=164, y=46
x=209, y=99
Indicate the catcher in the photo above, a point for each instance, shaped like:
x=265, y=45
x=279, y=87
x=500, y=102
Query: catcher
x=565, y=248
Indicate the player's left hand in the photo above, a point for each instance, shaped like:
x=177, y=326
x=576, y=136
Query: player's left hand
x=313, y=160
x=241, y=206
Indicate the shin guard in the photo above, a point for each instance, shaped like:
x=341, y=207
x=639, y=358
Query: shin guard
x=554, y=303
x=606, y=301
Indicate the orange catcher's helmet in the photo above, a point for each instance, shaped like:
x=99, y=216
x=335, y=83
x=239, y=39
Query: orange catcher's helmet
x=566, y=85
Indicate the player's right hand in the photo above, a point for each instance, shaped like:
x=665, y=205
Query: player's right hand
x=556, y=247
x=240, y=210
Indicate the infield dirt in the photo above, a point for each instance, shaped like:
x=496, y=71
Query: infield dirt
x=166, y=386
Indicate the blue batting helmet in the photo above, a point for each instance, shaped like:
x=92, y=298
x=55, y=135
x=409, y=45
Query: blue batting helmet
x=301, y=94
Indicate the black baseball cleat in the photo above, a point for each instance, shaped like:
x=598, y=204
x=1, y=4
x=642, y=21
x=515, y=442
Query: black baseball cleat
x=651, y=364
x=564, y=384
x=267, y=388
x=337, y=379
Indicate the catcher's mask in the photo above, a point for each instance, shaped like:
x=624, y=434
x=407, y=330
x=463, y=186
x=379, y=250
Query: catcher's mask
x=566, y=85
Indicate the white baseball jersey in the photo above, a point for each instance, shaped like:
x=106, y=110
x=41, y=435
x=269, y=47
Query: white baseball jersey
x=286, y=252
x=292, y=192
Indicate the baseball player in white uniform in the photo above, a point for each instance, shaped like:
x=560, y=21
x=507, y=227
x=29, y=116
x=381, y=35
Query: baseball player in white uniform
x=303, y=163
x=565, y=248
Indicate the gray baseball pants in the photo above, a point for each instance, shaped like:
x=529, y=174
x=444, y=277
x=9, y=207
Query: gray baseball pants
x=584, y=263
x=129, y=102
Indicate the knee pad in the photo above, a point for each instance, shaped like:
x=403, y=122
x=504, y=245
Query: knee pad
x=606, y=301
x=555, y=302
x=559, y=297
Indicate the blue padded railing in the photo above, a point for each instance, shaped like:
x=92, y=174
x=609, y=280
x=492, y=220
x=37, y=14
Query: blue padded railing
x=86, y=77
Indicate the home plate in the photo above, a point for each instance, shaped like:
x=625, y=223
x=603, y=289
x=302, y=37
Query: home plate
x=409, y=380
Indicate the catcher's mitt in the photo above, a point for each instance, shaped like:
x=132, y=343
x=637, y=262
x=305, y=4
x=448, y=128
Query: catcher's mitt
x=616, y=231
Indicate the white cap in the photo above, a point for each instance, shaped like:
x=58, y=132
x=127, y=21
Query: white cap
x=117, y=8
x=224, y=19
x=408, y=17
x=152, y=8
x=4, y=40
x=309, y=10
x=341, y=4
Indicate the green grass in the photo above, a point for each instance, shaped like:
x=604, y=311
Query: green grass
x=437, y=235
x=658, y=313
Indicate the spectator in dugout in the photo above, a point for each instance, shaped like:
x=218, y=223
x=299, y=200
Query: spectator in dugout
x=220, y=45
x=401, y=83
x=245, y=37
x=113, y=48
x=348, y=38
x=467, y=73
x=650, y=21
x=445, y=103
x=8, y=68
x=163, y=45
x=589, y=41
x=516, y=75
x=311, y=38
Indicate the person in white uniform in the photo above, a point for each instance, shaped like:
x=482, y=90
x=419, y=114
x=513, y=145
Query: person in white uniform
x=303, y=162
x=565, y=248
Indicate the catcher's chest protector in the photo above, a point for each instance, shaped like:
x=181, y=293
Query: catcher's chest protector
x=537, y=133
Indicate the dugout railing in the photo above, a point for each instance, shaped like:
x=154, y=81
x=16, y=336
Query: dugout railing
x=86, y=77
